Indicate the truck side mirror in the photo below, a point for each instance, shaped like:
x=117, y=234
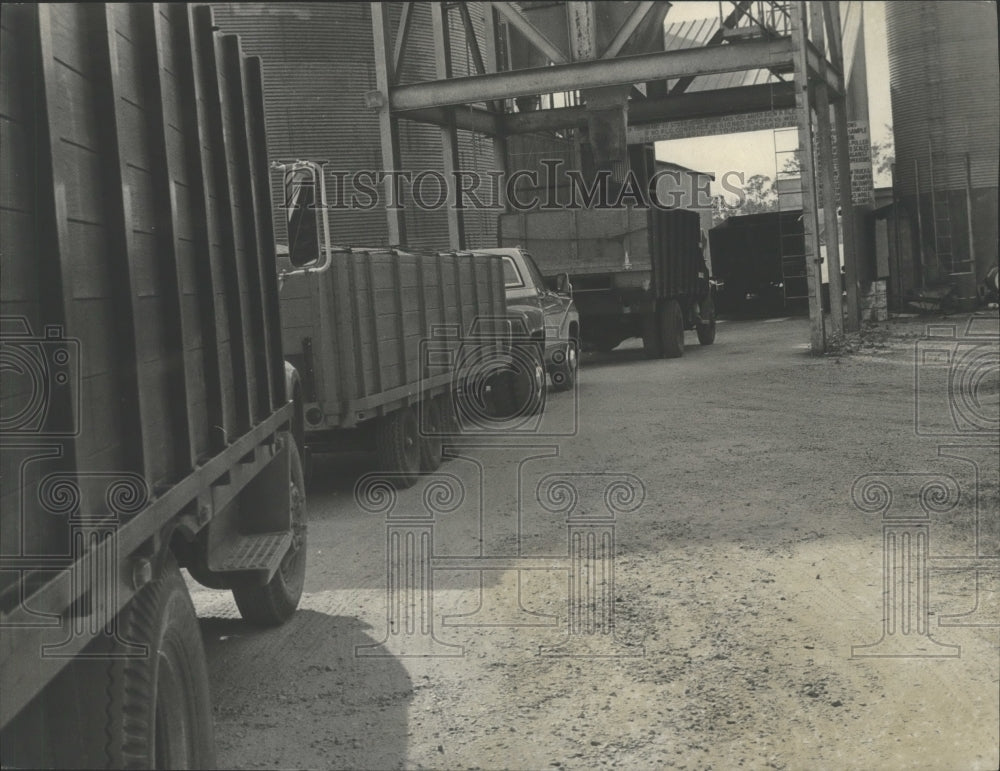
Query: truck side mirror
x=303, y=217
x=563, y=286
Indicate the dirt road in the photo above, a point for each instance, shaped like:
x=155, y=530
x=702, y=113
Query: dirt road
x=741, y=585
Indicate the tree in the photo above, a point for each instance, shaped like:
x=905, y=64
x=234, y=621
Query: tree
x=757, y=195
x=883, y=156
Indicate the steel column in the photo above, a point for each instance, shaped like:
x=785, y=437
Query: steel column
x=449, y=133
x=387, y=124
x=810, y=220
x=848, y=215
x=824, y=131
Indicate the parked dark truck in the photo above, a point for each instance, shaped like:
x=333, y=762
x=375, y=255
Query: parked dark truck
x=634, y=272
x=147, y=410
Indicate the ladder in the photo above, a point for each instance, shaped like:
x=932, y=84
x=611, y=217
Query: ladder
x=788, y=175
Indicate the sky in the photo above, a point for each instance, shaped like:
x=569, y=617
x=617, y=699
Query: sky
x=753, y=152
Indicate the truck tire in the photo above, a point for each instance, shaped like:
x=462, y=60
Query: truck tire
x=397, y=445
x=671, y=323
x=274, y=603
x=529, y=385
x=431, y=428
x=651, y=343
x=161, y=711
x=524, y=394
x=706, y=332
x=564, y=371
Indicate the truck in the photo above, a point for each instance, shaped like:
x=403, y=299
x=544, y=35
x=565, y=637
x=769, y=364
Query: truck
x=390, y=343
x=550, y=314
x=149, y=418
x=635, y=272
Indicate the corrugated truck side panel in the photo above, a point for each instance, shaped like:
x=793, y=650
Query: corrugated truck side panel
x=362, y=326
x=133, y=187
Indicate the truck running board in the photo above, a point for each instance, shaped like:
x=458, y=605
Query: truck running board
x=262, y=552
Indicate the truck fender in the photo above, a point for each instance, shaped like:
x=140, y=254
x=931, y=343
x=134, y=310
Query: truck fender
x=528, y=322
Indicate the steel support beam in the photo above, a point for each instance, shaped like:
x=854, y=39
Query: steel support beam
x=697, y=104
x=387, y=125
x=810, y=220
x=750, y=55
x=628, y=27
x=849, y=214
x=449, y=132
x=825, y=70
x=824, y=131
x=491, y=60
x=532, y=34
x=402, y=34
x=467, y=118
x=582, y=30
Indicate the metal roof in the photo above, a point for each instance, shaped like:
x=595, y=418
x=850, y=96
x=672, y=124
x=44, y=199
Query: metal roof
x=696, y=33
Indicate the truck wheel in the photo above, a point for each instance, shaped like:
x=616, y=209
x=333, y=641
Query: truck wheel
x=564, y=372
x=529, y=385
x=275, y=602
x=706, y=332
x=671, y=322
x=162, y=698
x=397, y=444
x=431, y=428
x=651, y=344
x=521, y=389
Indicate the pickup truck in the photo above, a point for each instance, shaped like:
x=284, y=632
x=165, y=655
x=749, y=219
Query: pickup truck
x=549, y=312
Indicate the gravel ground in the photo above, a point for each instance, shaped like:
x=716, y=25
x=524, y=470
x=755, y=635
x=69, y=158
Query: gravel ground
x=740, y=585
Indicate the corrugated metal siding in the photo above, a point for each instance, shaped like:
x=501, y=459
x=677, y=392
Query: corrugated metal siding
x=944, y=82
x=318, y=65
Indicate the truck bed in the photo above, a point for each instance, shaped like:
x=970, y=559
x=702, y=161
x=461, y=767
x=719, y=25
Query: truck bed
x=358, y=333
x=602, y=242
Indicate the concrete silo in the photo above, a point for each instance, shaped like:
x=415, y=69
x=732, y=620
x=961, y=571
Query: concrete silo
x=318, y=62
x=945, y=87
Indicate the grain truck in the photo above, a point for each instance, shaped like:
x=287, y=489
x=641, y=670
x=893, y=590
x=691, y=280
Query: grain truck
x=394, y=347
x=635, y=272
x=148, y=415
